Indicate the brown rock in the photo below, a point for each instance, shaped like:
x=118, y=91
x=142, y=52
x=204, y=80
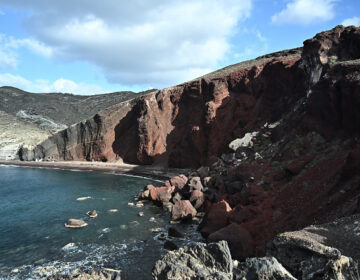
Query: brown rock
x=75, y=223
x=177, y=197
x=178, y=181
x=216, y=218
x=197, y=199
x=183, y=210
x=239, y=240
x=195, y=184
x=162, y=194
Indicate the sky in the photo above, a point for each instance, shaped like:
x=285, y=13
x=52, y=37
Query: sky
x=91, y=46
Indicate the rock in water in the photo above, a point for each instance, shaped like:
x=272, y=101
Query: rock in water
x=182, y=210
x=267, y=268
x=75, y=223
x=200, y=261
x=170, y=246
x=92, y=214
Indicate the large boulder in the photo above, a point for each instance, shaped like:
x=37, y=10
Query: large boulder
x=197, y=262
x=267, y=268
x=178, y=181
x=162, y=194
x=239, y=239
x=75, y=223
x=183, y=210
x=215, y=218
x=310, y=253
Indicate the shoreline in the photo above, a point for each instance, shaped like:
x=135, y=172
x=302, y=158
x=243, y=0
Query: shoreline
x=154, y=172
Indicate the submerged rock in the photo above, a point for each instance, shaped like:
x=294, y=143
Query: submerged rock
x=200, y=261
x=75, y=223
x=170, y=246
x=92, y=214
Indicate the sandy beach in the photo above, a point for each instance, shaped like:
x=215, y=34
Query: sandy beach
x=156, y=172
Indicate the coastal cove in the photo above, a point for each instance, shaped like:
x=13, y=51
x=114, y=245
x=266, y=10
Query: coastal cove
x=35, y=204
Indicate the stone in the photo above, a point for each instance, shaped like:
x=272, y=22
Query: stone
x=82, y=198
x=170, y=246
x=139, y=204
x=239, y=240
x=92, y=214
x=183, y=210
x=207, y=182
x=203, y=171
x=162, y=194
x=148, y=187
x=244, y=142
x=113, y=211
x=75, y=223
x=174, y=232
x=141, y=214
x=215, y=218
x=162, y=236
x=178, y=181
x=167, y=206
x=195, y=184
x=267, y=268
x=197, y=199
x=200, y=261
x=177, y=197
x=309, y=253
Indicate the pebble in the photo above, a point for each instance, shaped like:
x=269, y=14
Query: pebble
x=131, y=203
x=15, y=270
x=141, y=214
x=139, y=204
x=152, y=219
x=83, y=198
x=113, y=210
x=157, y=229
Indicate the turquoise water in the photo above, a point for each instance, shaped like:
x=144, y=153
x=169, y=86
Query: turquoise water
x=35, y=204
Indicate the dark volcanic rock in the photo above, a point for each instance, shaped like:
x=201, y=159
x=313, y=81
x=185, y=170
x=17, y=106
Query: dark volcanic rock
x=309, y=253
x=197, y=262
x=267, y=268
x=239, y=240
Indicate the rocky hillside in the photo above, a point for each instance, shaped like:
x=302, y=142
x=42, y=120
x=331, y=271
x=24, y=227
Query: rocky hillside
x=27, y=118
x=296, y=161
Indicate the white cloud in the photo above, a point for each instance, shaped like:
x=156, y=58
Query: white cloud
x=135, y=42
x=305, y=12
x=60, y=85
x=351, y=21
x=10, y=46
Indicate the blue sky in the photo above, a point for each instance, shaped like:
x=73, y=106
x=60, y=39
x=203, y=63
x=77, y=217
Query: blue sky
x=91, y=46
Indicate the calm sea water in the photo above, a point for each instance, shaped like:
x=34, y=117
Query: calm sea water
x=35, y=204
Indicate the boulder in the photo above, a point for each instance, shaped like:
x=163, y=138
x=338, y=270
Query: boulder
x=92, y=214
x=178, y=181
x=75, y=223
x=216, y=218
x=197, y=199
x=310, y=253
x=195, y=184
x=162, y=194
x=170, y=246
x=177, y=197
x=200, y=261
x=203, y=171
x=238, y=238
x=148, y=187
x=174, y=232
x=167, y=206
x=267, y=268
x=182, y=210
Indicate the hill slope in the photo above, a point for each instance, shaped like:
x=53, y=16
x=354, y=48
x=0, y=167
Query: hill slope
x=29, y=118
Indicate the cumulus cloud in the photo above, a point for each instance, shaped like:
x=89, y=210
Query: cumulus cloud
x=9, y=47
x=137, y=42
x=305, y=12
x=60, y=85
x=351, y=21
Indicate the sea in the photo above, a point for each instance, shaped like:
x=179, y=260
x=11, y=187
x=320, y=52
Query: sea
x=35, y=203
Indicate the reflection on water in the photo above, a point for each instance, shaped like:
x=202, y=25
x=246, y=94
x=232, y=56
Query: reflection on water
x=35, y=204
